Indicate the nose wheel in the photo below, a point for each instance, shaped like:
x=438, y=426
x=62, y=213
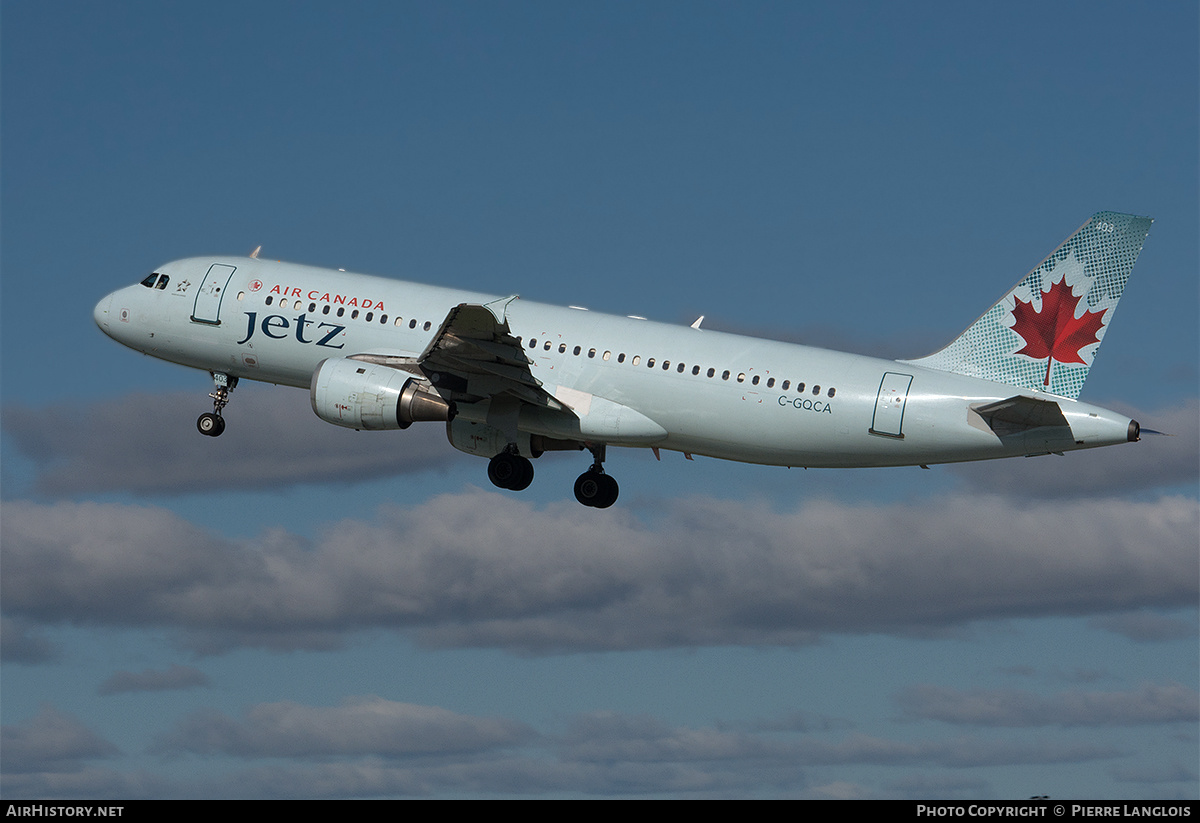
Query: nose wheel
x=212, y=423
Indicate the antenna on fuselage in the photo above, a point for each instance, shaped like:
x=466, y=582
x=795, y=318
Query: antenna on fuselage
x=254, y=254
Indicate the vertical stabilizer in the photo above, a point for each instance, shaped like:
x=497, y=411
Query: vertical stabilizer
x=1044, y=334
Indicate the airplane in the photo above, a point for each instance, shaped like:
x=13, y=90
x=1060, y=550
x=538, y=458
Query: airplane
x=512, y=379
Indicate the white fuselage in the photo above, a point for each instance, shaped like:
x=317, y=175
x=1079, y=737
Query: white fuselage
x=701, y=392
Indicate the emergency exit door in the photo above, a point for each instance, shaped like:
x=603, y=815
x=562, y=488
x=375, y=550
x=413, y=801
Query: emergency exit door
x=889, y=405
x=208, y=299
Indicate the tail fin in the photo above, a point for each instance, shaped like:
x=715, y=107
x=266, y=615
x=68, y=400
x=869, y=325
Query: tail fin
x=1044, y=334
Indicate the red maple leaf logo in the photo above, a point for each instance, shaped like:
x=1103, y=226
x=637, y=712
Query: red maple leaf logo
x=1055, y=332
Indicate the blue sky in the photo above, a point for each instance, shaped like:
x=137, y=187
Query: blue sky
x=298, y=611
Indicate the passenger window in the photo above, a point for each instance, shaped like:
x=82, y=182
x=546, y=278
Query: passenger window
x=621, y=357
x=831, y=391
x=695, y=369
x=637, y=360
x=770, y=382
x=816, y=390
x=577, y=350
x=666, y=365
x=785, y=384
x=799, y=388
x=650, y=363
x=741, y=377
x=370, y=316
x=711, y=372
x=269, y=299
x=591, y=352
x=607, y=355
x=755, y=380
x=562, y=347
x=341, y=311
x=427, y=325
x=383, y=319
x=547, y=346
x=725, y=375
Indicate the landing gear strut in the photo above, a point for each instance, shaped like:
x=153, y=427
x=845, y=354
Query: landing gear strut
x=509, y=470
x=212, y=423
x=594, y=488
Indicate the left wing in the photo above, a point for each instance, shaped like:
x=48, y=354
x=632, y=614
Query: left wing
x=474, y=356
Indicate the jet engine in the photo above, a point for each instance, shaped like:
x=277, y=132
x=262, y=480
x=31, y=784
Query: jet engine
x=360, y=395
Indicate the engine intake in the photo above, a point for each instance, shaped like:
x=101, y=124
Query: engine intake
x=360, y=395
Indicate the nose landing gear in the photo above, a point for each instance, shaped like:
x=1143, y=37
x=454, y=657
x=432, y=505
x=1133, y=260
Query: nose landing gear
x=212, y=423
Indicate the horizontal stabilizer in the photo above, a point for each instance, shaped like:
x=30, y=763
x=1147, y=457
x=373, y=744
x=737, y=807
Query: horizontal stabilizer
x=1020, y=413
x=1043, y=335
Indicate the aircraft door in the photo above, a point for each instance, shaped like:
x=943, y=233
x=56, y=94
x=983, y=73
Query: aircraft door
x=889, y=404
x=208, y=298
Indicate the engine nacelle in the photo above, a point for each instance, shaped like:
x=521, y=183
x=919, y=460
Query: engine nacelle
x=361, y=395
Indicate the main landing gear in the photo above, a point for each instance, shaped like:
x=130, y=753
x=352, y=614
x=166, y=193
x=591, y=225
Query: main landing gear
x=594, y=488
x=509, y=470
x=212, y=423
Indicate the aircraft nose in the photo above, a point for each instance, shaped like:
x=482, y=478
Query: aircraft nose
x=101, y=312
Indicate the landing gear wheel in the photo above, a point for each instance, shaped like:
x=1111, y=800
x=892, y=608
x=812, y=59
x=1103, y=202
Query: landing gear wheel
x=510, y=471
x=210, y=424
x=526, y=476
x=599, y=491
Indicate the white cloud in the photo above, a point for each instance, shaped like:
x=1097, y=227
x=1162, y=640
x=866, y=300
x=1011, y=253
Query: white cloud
x=1145, y=627
x=50, y=741
x=149, y=443
x=169, y=679
x=480, y=569
x=22, y=643
x=359, y=726
x=1149, y=703
x=374, y=747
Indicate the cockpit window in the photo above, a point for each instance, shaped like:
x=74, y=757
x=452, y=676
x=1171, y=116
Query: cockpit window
x=149, y=281
x=156, y=281
x=162, y=282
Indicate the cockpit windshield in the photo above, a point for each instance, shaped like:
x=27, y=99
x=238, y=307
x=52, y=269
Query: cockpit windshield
x=156, y=281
